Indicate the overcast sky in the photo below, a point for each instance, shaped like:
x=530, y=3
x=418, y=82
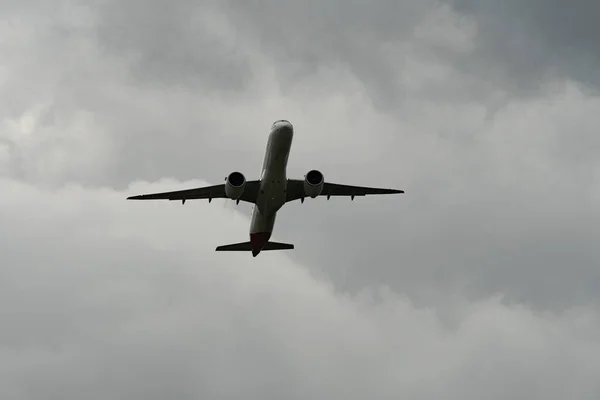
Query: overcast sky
x=480, y=282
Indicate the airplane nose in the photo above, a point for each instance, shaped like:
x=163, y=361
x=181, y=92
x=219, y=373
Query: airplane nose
x=287, y=128
x=284, y=127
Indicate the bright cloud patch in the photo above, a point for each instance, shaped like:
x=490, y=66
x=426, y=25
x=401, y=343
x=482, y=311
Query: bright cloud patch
x=128, y=299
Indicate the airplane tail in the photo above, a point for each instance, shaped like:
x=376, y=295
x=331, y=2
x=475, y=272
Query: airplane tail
x=247, y=246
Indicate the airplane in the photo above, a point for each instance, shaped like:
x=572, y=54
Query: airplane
x=269, y=193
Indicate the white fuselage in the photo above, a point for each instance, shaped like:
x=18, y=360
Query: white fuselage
x=273, y=184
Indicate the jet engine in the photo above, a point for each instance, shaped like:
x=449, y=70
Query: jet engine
x=235, y=183
x=313, y=183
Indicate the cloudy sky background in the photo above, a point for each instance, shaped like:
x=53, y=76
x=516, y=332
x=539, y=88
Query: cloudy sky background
x=480, y=282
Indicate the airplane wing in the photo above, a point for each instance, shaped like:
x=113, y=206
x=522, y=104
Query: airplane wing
x=208, y=192
x=295, y=190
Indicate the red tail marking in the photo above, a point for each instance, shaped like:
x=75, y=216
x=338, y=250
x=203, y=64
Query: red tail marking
x=258, y=241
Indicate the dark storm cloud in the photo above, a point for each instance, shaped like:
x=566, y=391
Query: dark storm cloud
x=519, y=44
x=538, y=37
x=185, y=44
x=375, y=41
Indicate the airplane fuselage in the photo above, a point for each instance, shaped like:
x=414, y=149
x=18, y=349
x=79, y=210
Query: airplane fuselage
x=273, y=184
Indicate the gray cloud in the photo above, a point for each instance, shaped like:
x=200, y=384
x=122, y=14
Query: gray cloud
x=381, y=43
x=91, y=116
x=119, y=300
x=494, y=237
x=536, y=37
x=505, y=209
x=186, y=44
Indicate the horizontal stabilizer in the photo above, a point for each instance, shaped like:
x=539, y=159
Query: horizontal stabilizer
x=247, y=246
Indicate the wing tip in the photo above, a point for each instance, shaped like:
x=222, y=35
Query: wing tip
x=140, y=197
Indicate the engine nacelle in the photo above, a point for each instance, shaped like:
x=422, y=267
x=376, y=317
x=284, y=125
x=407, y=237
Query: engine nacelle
x=235, y=183
x=313, y=183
